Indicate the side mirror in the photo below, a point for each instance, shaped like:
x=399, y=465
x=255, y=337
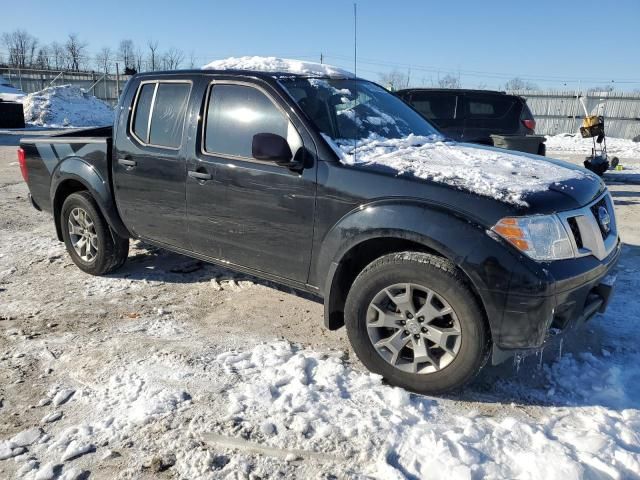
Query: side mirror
x=272, y=147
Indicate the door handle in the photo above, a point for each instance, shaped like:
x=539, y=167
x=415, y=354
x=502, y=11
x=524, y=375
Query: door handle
x=127, y=163
x=200, y=175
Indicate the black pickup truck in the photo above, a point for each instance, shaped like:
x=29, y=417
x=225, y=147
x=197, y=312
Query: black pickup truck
x=436, y=255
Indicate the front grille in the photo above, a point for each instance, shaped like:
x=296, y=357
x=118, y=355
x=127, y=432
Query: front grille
x=595, y=209
x=575, y=230
x=587, y=227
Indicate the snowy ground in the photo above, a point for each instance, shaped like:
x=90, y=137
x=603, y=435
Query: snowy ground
x=570, y=142
x=175, y=369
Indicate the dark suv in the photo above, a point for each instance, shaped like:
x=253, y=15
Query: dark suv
x=473, y=115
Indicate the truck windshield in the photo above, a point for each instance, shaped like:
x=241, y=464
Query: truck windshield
x=349, y=111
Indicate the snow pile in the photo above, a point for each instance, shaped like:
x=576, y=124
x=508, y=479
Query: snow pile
x=574, y=143
x=486, y=171
x=279, y=65
x=9, y=93
x=66, y=106
x=301, y=400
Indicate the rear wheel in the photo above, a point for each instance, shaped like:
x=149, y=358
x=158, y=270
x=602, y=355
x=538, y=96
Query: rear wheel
x=411, y=318
x=93, y=246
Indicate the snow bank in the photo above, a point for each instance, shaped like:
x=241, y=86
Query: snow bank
x=9, y=93
x=306, y=401
x=486, y=171
x=66, y=106
x=574, y=143
x=274, y=64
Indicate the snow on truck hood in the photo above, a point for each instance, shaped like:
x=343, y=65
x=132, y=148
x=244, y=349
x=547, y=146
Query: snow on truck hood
x=500, y=174
x=279, y=65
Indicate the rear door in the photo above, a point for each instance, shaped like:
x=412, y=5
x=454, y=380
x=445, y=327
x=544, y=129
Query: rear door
x=486, y=114
x=441, y=109
x=149, y=164
x=249, y=212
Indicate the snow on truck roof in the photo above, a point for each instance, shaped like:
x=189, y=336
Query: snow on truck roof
x=278, y=65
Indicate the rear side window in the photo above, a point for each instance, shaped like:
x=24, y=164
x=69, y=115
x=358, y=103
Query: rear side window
x=143, y=108
x=168, y=115
x=235, y=114
x=434, y=106
x=160, y=112
x=496, y=107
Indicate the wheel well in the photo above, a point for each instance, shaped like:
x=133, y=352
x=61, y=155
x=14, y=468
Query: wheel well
x=65, y=189
x=356, y=259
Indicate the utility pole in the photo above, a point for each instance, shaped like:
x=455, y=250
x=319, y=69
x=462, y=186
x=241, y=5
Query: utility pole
x=321, y=58
x=117, y=82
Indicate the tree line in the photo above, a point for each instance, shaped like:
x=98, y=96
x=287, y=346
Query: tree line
x=23, y=50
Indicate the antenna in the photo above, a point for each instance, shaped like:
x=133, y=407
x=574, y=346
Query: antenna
x=355, y=72
x=355, y=39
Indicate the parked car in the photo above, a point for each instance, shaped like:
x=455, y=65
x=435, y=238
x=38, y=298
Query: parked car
x=475, y=115
x=431, y=274
x=11, y=110
x=9, y=93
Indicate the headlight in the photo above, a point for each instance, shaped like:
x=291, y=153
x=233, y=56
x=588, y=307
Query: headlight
x=542, y=237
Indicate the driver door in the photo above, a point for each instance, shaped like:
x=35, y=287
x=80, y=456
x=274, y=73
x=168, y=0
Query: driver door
x=249, y=212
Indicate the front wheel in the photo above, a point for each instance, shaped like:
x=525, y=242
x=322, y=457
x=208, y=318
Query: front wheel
x=411, y=318
x=93, y=246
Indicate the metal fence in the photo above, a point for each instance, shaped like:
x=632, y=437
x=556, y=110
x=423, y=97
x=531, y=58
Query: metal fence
x=555, y=111
x=562, y=112
x=106, y=87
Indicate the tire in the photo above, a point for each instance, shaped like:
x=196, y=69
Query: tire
x=104, y=251
x=450, y=366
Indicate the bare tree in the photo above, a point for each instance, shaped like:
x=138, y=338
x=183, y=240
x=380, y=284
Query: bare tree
x=153, y=59
x=138, y=57
x=57, y=55
x=394, y=80
x=192, y=59
x=602, y=88
x=43, y=60
x=449, y=81
x=172, y=59
x=518, y=83
x=75, y=50
x=104, y=59
x=21, y=48
x=126, y=51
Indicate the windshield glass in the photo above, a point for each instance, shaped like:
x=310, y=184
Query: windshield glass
x=350, y=111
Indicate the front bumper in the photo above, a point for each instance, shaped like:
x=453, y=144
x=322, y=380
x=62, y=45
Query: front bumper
x=581, y=289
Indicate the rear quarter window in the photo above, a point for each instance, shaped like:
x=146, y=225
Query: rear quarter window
x=142, y=110
x=488, y=107
x=434, y=106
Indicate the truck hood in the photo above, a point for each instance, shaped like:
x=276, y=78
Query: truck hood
x=524, y=181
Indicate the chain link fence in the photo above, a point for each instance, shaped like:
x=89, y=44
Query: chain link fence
x=104, y=86
x=562, y=112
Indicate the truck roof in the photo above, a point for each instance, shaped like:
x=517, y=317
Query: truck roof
x=452, y=90
x=240, y=73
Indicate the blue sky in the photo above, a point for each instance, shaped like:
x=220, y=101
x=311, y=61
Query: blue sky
x=580, y=43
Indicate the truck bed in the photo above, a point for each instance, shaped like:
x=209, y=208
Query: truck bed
x=48, y=158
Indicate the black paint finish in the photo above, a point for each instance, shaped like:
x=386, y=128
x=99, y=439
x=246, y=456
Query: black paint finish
x=298, y=225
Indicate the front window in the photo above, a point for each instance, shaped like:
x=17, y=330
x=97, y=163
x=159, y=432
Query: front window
x=351, y=112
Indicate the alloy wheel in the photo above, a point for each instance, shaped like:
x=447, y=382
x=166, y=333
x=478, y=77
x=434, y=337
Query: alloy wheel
x=413, y=328
x=82, y=233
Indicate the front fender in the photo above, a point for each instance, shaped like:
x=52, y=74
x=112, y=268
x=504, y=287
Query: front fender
x=77, y=169
x=485, y=262
x=433, y=226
